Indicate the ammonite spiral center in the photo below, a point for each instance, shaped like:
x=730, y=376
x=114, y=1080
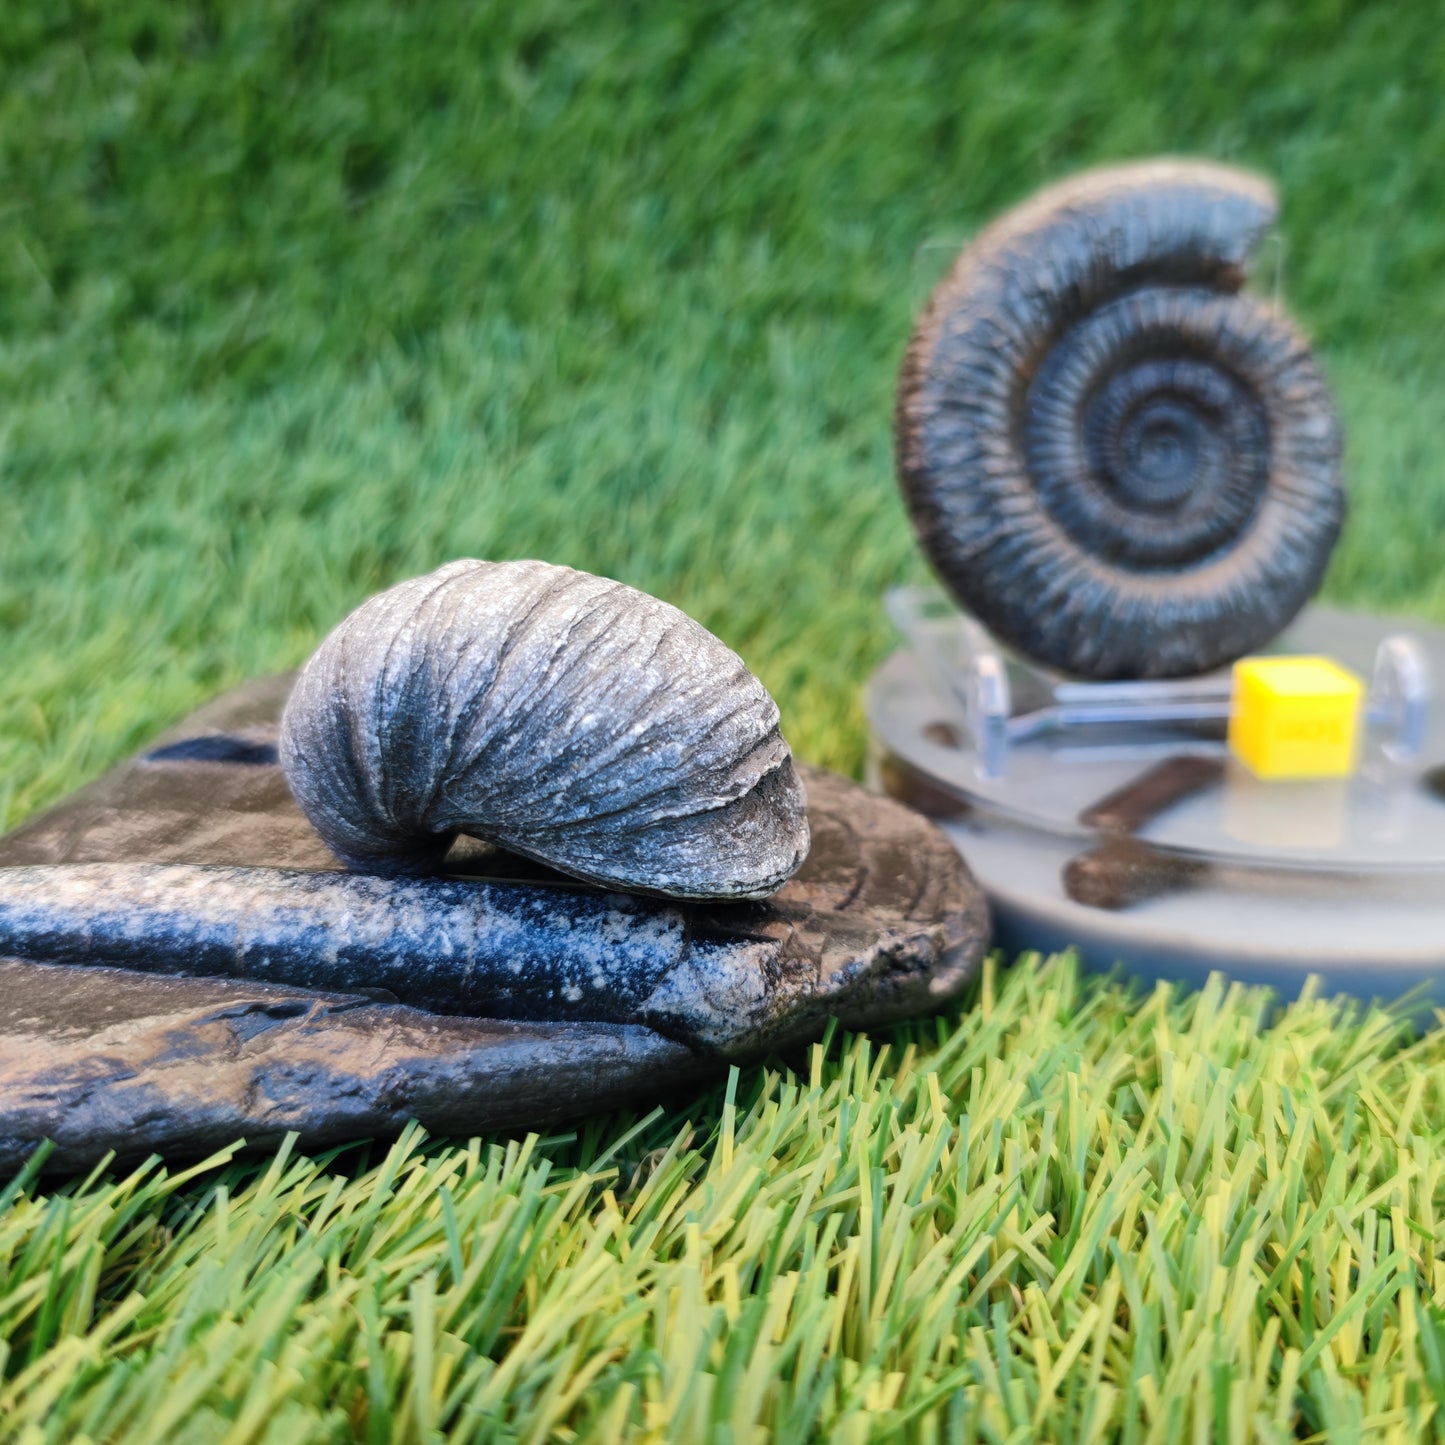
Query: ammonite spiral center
x=1156, y=445
x=1163, y=451
x=1144, y=442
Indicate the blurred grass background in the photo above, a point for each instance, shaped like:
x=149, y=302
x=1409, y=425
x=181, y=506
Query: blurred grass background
x=297, y=300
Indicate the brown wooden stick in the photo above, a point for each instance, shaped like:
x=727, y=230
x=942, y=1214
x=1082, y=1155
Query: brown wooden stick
x=1144, y=798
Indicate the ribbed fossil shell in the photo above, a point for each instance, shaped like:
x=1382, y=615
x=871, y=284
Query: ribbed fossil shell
x=557, y=714
x=1116, y=461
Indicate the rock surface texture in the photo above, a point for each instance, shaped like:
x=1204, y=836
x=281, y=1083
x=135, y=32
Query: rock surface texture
x=195, y=849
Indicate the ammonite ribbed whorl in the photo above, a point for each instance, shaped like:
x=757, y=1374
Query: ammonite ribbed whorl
x=1119, y=463
x=559, y=715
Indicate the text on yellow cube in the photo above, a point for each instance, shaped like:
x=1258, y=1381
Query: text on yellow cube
x=1295, y=717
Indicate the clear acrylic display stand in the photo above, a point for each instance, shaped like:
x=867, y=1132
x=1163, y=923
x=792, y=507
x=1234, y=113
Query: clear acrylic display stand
x=1002, y=699
x=1031, y=772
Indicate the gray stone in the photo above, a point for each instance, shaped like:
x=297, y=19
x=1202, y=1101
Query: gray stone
x=100, y=1060
x=882, y=922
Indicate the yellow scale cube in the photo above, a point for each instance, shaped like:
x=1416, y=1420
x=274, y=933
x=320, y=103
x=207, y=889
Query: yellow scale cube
x=1295, y=717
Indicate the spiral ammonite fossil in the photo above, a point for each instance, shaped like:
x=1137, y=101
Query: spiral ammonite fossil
x=1121, y=464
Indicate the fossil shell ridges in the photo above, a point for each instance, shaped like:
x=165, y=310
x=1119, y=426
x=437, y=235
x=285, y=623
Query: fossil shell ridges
x=1120, y=464
x=560, y=715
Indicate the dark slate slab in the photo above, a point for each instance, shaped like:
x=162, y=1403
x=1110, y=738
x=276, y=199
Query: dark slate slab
x=883, y=922
x=100, y=1058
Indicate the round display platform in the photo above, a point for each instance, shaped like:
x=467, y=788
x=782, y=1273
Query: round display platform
x=1266, y=882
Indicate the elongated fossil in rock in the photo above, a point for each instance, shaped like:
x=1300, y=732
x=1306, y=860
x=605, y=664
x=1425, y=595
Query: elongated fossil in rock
x=562, y=716
x=719, y=981
x=454, y=946
x=468, y=946
x=1120, y=463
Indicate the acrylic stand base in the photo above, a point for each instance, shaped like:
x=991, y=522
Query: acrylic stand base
x=1268, y=883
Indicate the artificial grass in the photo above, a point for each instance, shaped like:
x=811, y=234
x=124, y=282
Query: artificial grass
x=1061, y=1214
x=297, y=300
